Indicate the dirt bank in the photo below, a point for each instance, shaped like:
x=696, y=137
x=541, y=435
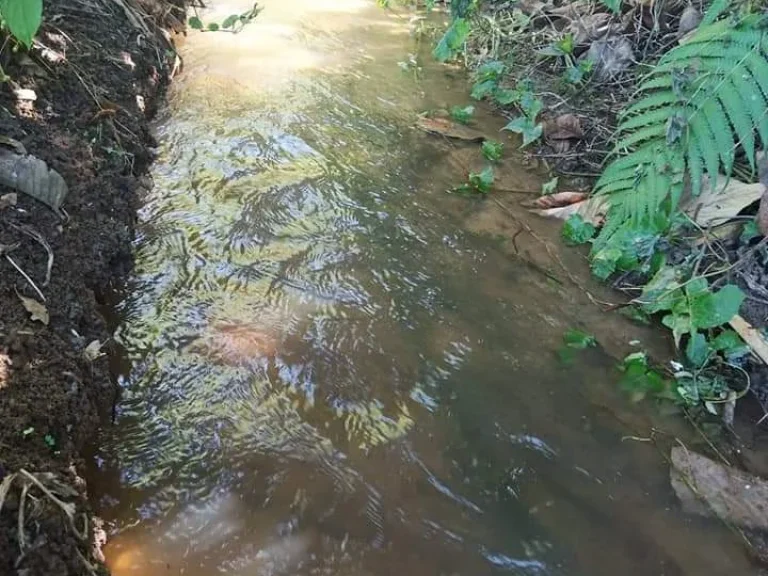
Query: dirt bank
x=94, y=77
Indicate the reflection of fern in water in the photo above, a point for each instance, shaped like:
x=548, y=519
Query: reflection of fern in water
x=705, y=98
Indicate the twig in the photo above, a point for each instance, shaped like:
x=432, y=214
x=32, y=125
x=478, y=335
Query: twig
x=26, y=276
x=22, y=501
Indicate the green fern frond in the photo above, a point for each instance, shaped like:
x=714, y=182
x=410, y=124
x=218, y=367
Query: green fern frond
x=706, y=98
x=715, y=10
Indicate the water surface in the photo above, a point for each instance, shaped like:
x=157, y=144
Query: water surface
x=327, y=373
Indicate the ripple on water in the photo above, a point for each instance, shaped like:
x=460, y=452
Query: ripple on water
x=327, y=376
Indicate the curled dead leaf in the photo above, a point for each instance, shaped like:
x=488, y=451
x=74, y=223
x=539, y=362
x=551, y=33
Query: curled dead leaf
x=563, y=131
x=93, y=351
x=689, y=20
x=8, y=200
x=718, y=204
x=558, y=200
x=589, y=27
x=37, y=312
x=563, y=205
x=564, y=127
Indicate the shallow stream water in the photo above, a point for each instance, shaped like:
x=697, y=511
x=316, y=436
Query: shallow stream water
x=328, y=369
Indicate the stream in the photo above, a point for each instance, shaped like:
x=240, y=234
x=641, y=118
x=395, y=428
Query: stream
x=331, y=368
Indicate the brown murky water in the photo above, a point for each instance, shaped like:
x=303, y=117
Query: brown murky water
x=330, y=371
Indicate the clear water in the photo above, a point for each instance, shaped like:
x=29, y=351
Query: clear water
x=329, y=371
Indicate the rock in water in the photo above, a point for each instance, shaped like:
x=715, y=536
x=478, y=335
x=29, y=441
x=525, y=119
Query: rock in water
x=708, y=488
x=444, y=127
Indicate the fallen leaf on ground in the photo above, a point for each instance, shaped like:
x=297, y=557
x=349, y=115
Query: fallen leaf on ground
x=571, y=10
x=611, y=56
x=32, y=176
x=722, y=202
x=762, y=214
x=37, y=311
x=727, y=231
x=708, y=488
x=7, y=200
x=93, y=351
x=558, y=200
x=563, y=205
x=562, y=131
x=689, y=20
x=589, y=27
x=752, y=336
x=444, y=127
x=531, y=7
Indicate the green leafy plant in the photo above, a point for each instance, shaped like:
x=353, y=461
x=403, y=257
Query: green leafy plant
x=527, y=124
x=477, y=182
x=550, y=186
x=232, y=23
x=639, y=380
x=705, y=98
x=749, y=232
x=462, y=115
x=22, y=18
x=628, y=248
x=576, y=73
x=486, y=79
x=577, y=231
x=573, y=342
x=563, y=47
x=452, y=41
x=482, y=181
x=690, y=306
x=492, y=150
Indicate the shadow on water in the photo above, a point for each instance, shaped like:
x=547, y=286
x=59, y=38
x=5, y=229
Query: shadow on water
x=327, y=374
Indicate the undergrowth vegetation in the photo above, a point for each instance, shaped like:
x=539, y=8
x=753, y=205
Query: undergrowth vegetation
x=678, y=116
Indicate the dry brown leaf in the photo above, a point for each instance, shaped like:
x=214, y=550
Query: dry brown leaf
x=562, y=132
x=727, y=231
x=531, y=7
x=37, y=311
x=444, y=127
x=32, y=176
x=689, y=20
x=572, y=10
x=8, y=200
x=752, y=336
x=721, y=203
x=93, y=351
x=564, y=127
x=563, y=205
x=762, y=214
x=558, y=199
x=590, y=27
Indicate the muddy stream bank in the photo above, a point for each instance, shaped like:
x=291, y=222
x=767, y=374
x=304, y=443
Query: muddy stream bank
x=329, y=365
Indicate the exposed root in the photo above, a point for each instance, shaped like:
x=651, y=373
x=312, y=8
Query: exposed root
x=20, y=270
x=51, y=489
x=38, y=237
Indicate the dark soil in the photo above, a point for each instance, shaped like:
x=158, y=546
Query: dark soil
x=89, y=67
